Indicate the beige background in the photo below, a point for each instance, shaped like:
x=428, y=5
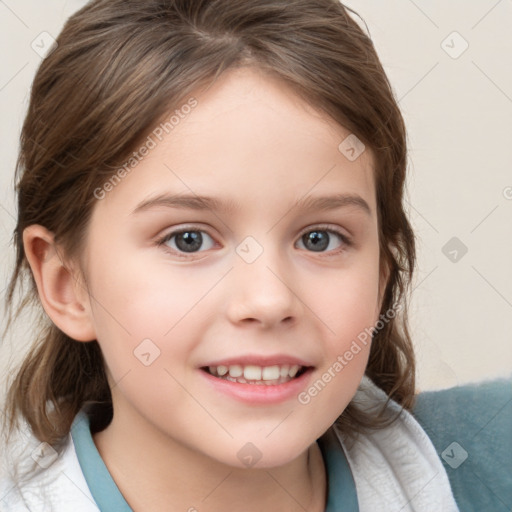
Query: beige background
x=458, y=109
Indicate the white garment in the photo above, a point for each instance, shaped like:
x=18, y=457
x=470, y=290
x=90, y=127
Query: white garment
x=395, y=469
x=59, y=488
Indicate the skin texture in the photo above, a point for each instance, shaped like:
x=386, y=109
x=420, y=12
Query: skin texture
x=173, y=441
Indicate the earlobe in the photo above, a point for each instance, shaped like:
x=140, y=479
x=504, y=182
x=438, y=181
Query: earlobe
x=62, y=296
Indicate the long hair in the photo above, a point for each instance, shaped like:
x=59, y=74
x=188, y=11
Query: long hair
x=118, y=67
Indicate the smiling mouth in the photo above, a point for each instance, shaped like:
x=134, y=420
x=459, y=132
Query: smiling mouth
x=257, y=375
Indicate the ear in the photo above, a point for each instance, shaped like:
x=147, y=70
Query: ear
x=62, y=294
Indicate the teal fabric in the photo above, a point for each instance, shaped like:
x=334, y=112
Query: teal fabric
x=341, y=488
x=341, y=491
x=471, y=428
x=103, y=488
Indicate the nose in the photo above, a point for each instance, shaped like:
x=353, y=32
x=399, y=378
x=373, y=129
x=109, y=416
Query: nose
x=263, y=294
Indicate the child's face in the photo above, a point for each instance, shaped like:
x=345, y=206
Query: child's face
x=252, y=287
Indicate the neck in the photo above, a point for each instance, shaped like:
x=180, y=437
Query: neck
x=156, y=473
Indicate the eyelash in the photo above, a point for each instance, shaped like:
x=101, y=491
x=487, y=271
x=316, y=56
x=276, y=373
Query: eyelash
x=346, y=241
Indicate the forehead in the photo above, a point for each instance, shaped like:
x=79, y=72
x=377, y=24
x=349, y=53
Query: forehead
x=251, y=139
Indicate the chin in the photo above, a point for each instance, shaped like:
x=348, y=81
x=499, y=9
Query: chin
x=265, y=454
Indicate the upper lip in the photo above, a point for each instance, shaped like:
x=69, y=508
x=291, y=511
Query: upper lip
x=259, y=360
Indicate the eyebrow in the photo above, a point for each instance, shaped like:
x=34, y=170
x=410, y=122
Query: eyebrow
x=203, y=203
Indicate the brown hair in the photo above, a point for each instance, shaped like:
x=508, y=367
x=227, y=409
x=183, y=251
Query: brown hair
x=119, y=66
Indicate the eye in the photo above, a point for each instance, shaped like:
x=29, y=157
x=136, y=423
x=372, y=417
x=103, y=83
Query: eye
x=187, y=241
x=323, y=240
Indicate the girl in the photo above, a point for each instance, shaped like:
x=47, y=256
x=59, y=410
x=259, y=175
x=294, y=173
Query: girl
x=210, y=215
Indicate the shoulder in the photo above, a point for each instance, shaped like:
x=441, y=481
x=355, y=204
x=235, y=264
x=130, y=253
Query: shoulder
x=38, y=477
x=396, y=467
x=470, y=427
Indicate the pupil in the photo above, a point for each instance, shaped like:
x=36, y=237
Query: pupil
x=318, y=239
x=189, y=241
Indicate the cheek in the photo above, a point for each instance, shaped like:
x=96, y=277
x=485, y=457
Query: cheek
x=349, y=301
x=349, y=312
x=133, y=302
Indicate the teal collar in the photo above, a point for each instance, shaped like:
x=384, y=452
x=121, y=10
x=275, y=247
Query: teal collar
x=101, y=484
x=341, y=490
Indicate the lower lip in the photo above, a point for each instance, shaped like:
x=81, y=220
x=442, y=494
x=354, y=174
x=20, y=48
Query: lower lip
x=259, y=393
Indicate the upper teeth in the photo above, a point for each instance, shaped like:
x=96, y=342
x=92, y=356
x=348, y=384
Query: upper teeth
x=252, y=372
